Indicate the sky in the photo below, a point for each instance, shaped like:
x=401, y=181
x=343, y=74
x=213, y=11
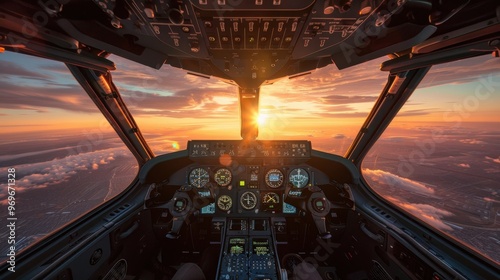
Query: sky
x=171, y=107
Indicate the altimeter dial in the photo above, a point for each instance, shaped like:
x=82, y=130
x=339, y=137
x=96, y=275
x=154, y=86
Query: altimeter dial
x=223, y=177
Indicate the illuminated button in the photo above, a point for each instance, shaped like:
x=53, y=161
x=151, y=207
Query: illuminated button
x=242, y=183
x=319, y=205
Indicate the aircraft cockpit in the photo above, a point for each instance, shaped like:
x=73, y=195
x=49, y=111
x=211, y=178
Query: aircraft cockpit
x=135, y=141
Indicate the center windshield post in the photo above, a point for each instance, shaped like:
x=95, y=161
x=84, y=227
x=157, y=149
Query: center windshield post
x=249, y=110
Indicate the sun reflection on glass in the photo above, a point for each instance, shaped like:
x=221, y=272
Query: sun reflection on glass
x=175, y=145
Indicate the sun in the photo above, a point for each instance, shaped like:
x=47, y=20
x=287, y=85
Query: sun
x=262, y=119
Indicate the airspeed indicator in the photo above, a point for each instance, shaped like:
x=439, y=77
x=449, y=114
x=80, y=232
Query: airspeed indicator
x=199, y=177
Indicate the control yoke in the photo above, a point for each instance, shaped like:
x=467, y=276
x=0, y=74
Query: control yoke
x=313, y=201
x=183, y=204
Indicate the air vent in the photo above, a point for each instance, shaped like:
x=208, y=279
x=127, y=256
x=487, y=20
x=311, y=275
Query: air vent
x=383, y=213
x=377, y=272
x=118, y=272
x=111, y=216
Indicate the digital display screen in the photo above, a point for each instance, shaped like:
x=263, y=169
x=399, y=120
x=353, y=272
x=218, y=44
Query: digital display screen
x=209, y=209
x=289, y=209
x=260, y=246
x=204, y=193
x=274, y=177
x=236, y=246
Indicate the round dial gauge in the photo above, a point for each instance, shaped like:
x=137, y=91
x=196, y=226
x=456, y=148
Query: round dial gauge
x=248, y=200
x=199, y=177
x=224, y=202
x=271, y=198
x=223, y=177
x=274, y=178
x=299, y=177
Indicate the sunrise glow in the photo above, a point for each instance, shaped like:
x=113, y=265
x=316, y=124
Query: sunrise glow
x=171, y=107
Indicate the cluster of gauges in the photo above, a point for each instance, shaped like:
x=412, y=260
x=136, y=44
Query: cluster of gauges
x=248, y=200
x=270, y=202
x=298, y=177
x=199, y=177
x=274, y=178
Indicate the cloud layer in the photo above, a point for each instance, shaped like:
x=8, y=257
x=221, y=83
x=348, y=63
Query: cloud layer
x=430, y=214
x=42, y=174
x=395, y=181
x=425, y=212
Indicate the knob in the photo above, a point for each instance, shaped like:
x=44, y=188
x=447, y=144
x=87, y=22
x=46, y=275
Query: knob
x=175, y=16
x=328, y=7
x=195, y=46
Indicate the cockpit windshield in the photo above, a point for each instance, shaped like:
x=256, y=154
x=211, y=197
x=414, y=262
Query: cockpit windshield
x=439, y=160
x=327, y=106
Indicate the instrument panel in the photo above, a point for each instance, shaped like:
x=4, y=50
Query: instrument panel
x=248, y=177
x=249, y=189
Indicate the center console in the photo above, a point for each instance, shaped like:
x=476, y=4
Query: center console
x=248, y=250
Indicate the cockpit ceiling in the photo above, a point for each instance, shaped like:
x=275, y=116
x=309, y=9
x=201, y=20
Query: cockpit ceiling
x=248, y=43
